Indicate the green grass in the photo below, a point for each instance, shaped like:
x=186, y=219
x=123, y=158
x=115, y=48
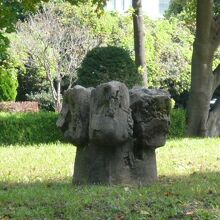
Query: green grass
x=35, y=183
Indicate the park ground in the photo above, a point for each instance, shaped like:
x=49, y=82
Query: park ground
x=35, y=183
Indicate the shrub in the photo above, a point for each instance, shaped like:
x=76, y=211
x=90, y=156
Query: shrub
x=8, y=85
x=178, y=123
x=44, y=98
x=28, y=128
x=103, y=64
x=30, y=82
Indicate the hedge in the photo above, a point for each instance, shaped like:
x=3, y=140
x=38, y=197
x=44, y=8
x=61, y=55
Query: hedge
x=178, y=123
x=19, y=106
x=28, y=128
x=37, y=128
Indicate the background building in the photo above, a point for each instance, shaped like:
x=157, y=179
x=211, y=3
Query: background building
x=152, y=8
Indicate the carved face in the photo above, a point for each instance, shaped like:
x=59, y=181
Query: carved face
x=150, y=112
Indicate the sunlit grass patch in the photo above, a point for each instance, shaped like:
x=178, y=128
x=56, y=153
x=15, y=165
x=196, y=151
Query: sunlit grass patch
x=35, y=183
x=39, y=163
x=187, y=156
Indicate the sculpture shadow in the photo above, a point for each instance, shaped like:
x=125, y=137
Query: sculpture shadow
x=195, y=179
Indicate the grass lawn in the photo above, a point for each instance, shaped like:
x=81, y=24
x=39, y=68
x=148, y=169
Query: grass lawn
x=35, y=183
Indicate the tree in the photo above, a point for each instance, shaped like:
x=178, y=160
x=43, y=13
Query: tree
x=13, y=10
x=8, y=84
x=203, y=120
x=185, y=10
x=140, y=53
x=55, y=48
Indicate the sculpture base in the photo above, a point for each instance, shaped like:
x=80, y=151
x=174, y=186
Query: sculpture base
x=114, y=166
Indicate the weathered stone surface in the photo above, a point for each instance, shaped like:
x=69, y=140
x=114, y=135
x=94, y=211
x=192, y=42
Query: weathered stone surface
x=105, y=160
x=150, y=111
x=74, y=116
x=116, y=133
x=110, y=115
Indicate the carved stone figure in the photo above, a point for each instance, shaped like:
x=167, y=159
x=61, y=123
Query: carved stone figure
x=74, y=116
x=150, y=112
x=116, y=133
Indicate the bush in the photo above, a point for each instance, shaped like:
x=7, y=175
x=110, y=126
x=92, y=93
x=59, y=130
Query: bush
x=30, y=82
x=28, y=128
x=178, y=123
x=37, y=128
x=103, y=64
x=8, y=85
x=44, y=98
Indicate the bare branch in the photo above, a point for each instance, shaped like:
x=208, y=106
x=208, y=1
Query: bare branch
x=53, y=46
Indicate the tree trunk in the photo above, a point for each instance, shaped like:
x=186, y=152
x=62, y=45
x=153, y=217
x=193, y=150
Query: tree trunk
x=203, y=80
x=140, y=54
x=200, y=93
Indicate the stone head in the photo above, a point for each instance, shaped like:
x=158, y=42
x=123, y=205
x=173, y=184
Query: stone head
x=110, y=116
x=150, y=112
x=74, y=116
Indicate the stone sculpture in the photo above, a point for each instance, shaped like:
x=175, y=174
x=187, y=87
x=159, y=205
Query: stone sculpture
x=116, y=132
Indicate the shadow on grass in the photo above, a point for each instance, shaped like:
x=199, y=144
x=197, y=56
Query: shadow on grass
x=182, y=197
x=196, y=180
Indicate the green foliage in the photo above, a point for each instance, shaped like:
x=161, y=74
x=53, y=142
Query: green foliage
x=108, y=27
x=28, y=128
x=37, y=128
x=168, y=44
x=103, y=64
x=185, y=10
x=34, y=87
x=12, y=10
x=8, y=84
x=4, y=43
x=44, y=98
x=178, y=123
x=169, y=51
x=29, y=82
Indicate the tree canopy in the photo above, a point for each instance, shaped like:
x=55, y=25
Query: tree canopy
x=185, y=10
x=12, y=10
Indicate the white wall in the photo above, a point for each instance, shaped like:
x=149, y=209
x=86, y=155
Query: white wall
x=150, y=7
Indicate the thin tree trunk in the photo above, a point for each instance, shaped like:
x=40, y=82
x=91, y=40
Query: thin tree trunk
x=58, y=101
x=140, y=53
